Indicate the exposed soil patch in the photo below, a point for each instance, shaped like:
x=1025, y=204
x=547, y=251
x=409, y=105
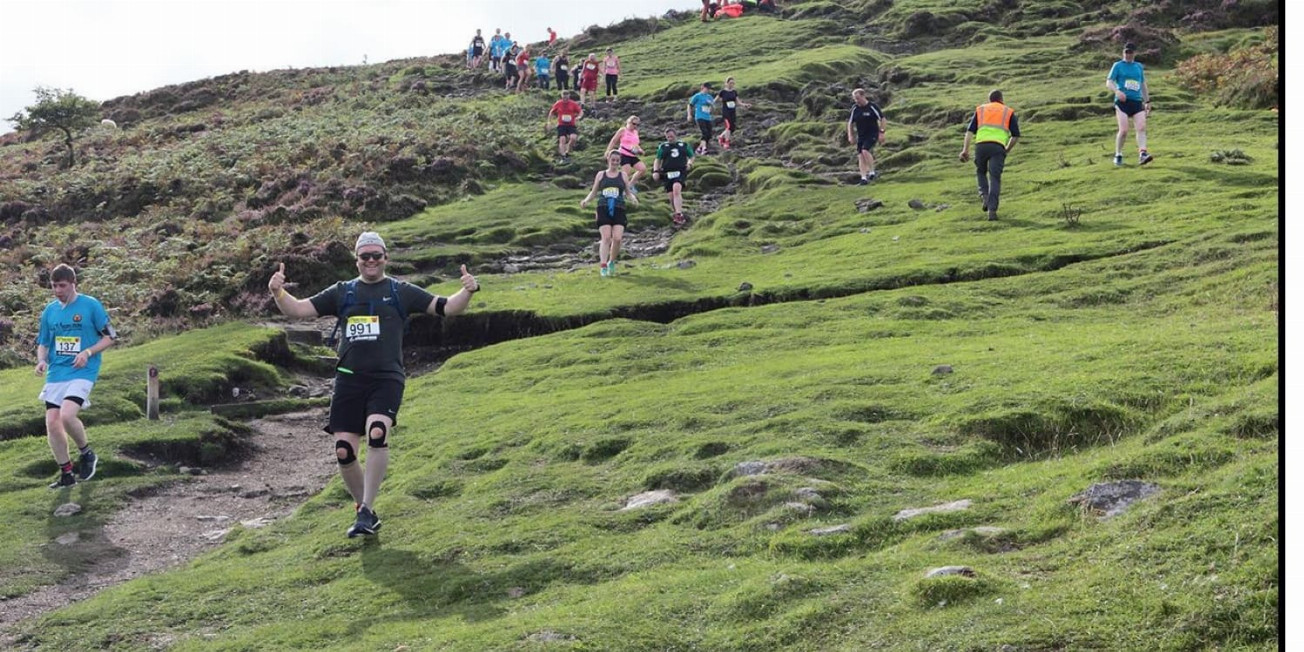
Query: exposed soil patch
x=290, y=459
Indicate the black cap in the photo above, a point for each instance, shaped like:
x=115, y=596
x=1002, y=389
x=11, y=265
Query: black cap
x=1130, y=47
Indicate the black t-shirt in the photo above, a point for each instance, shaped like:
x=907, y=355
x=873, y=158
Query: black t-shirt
x=563, y=66
x=371, y=338
x=478, y=42
x=866, y=119
x=674, y=156
x=728, y=100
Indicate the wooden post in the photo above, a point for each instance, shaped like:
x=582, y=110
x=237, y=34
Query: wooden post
x=151, y=393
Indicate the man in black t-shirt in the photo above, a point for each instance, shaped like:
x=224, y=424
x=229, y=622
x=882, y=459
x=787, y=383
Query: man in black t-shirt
x=870, y=127
x=369, y=377
x=674, y=158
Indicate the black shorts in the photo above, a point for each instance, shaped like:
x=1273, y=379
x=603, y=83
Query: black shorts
x=606, y=219
x=730, y=120
x=866, y=143
x=626, y=159
x=477, y=52
x=566, y=130
x=1130, y=107
x=706, y=127
x=668, y=183
x=358, y=396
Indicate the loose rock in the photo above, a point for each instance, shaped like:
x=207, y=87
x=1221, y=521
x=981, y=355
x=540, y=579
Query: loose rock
x=951, y=570
x=866, y=205
x=67, y=509
x=942, y=369
x=825, y=531
x=1109, y=499
x=649, y=498
x=68, y=538
x=744, y=287
x=916, y=204
x=954, y=506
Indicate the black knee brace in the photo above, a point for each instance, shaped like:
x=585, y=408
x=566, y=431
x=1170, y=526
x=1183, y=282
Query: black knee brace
x=374, y=441
x=344, y=452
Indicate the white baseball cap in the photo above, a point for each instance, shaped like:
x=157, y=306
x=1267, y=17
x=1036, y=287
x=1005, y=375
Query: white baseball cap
x=369, y=238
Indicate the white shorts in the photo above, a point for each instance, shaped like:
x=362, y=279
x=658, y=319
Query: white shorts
x=55, y=393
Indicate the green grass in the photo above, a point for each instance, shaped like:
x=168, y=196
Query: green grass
x=1140, y=343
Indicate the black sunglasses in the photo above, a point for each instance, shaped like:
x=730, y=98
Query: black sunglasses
x=370, y=255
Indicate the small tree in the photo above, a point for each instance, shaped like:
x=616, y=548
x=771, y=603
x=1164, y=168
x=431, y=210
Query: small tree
x=58, y=109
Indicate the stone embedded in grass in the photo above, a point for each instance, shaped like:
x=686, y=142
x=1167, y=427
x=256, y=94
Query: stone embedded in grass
x=981, y=530
x=67, y=509
x=834, y=529
x=744, y=287
x=686, y=264
x=769, y=248
x=68, y=538
x=951, y=570
x=942, y=369
x=866, y=205
x=953, y=506
x=649, y=498
x=750, y=468
x=1109, y=499
x=916, y=204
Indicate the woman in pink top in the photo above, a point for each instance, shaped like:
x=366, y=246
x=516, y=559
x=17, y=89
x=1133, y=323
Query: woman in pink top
x=611, y=66
x=625, y=141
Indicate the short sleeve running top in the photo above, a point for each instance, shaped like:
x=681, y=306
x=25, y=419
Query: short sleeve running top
x=1128, y=77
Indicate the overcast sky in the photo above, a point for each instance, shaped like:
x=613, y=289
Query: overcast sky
x=104, y=49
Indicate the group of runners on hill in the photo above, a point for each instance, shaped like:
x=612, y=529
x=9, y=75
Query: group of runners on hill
x=372, y=309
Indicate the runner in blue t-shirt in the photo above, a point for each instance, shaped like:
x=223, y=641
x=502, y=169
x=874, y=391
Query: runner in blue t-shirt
x=699, y=109
x=74, y=331
x=1127, y=80
x=542, y=69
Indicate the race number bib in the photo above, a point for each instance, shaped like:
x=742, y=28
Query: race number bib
x=674, y=153
x=1132, y=84
x=673, y=174
x=567, y=117
x=731, y=104
x=363, y=328
x=67, y=345
x=611, y=193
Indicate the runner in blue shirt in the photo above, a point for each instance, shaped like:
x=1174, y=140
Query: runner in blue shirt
x=699, y=109
x=1127, y=80
x=74, y=331
x=543, y=68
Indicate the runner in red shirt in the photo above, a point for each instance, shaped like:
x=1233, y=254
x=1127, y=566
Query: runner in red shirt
x=568, y=112
x=523, y=70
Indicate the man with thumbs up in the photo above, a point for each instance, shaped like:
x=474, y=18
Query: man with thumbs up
x=369, y=376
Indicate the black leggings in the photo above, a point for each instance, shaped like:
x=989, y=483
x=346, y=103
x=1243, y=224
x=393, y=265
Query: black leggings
x=611, y=84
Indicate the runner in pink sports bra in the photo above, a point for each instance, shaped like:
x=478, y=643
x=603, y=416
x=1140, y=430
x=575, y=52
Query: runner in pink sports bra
x=611, y=66
x=625, y=142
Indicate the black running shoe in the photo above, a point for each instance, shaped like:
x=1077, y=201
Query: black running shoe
x=367, y=524
x=86, y=465
x=1146, y=158
x=863, y=181
x=983, y=197
x=65, y=480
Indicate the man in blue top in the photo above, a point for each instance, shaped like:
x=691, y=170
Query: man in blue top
x=74, y=331
x=542, y=68
x=1127, y=80
x=699, y=109
x=496, y=50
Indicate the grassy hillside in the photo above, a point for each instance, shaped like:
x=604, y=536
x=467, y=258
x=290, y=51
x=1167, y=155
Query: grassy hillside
x=1116, y=324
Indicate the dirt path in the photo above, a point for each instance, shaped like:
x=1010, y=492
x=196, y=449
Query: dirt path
x=169, y=527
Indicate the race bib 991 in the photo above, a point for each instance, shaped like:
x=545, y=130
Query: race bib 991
x=362, y=328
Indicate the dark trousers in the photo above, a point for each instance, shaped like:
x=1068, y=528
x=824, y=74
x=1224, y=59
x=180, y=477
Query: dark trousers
x=989, y=158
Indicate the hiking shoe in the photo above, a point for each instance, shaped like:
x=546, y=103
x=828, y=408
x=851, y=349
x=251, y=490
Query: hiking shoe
x=367, y=523
x=602, y=270
x=1118, y=160
x=1146, y=158
x=991, y=215
x=611, y=268
x=65, y=480
x=86, y=465
x=873, y=176
x=864, y=181
x=982, y=196
x=679, y=219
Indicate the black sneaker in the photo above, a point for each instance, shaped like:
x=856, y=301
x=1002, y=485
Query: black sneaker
x=86, y=465
x=1146, y=158
x=367, y=524
x=65, y=480
x=991, y=215
x=873, y=176
x=983, y=196
x=864, y=181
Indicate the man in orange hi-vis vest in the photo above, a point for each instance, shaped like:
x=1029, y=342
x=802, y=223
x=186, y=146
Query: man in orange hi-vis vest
x=995, y=129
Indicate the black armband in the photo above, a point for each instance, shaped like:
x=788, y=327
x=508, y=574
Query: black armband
x=439, y=306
